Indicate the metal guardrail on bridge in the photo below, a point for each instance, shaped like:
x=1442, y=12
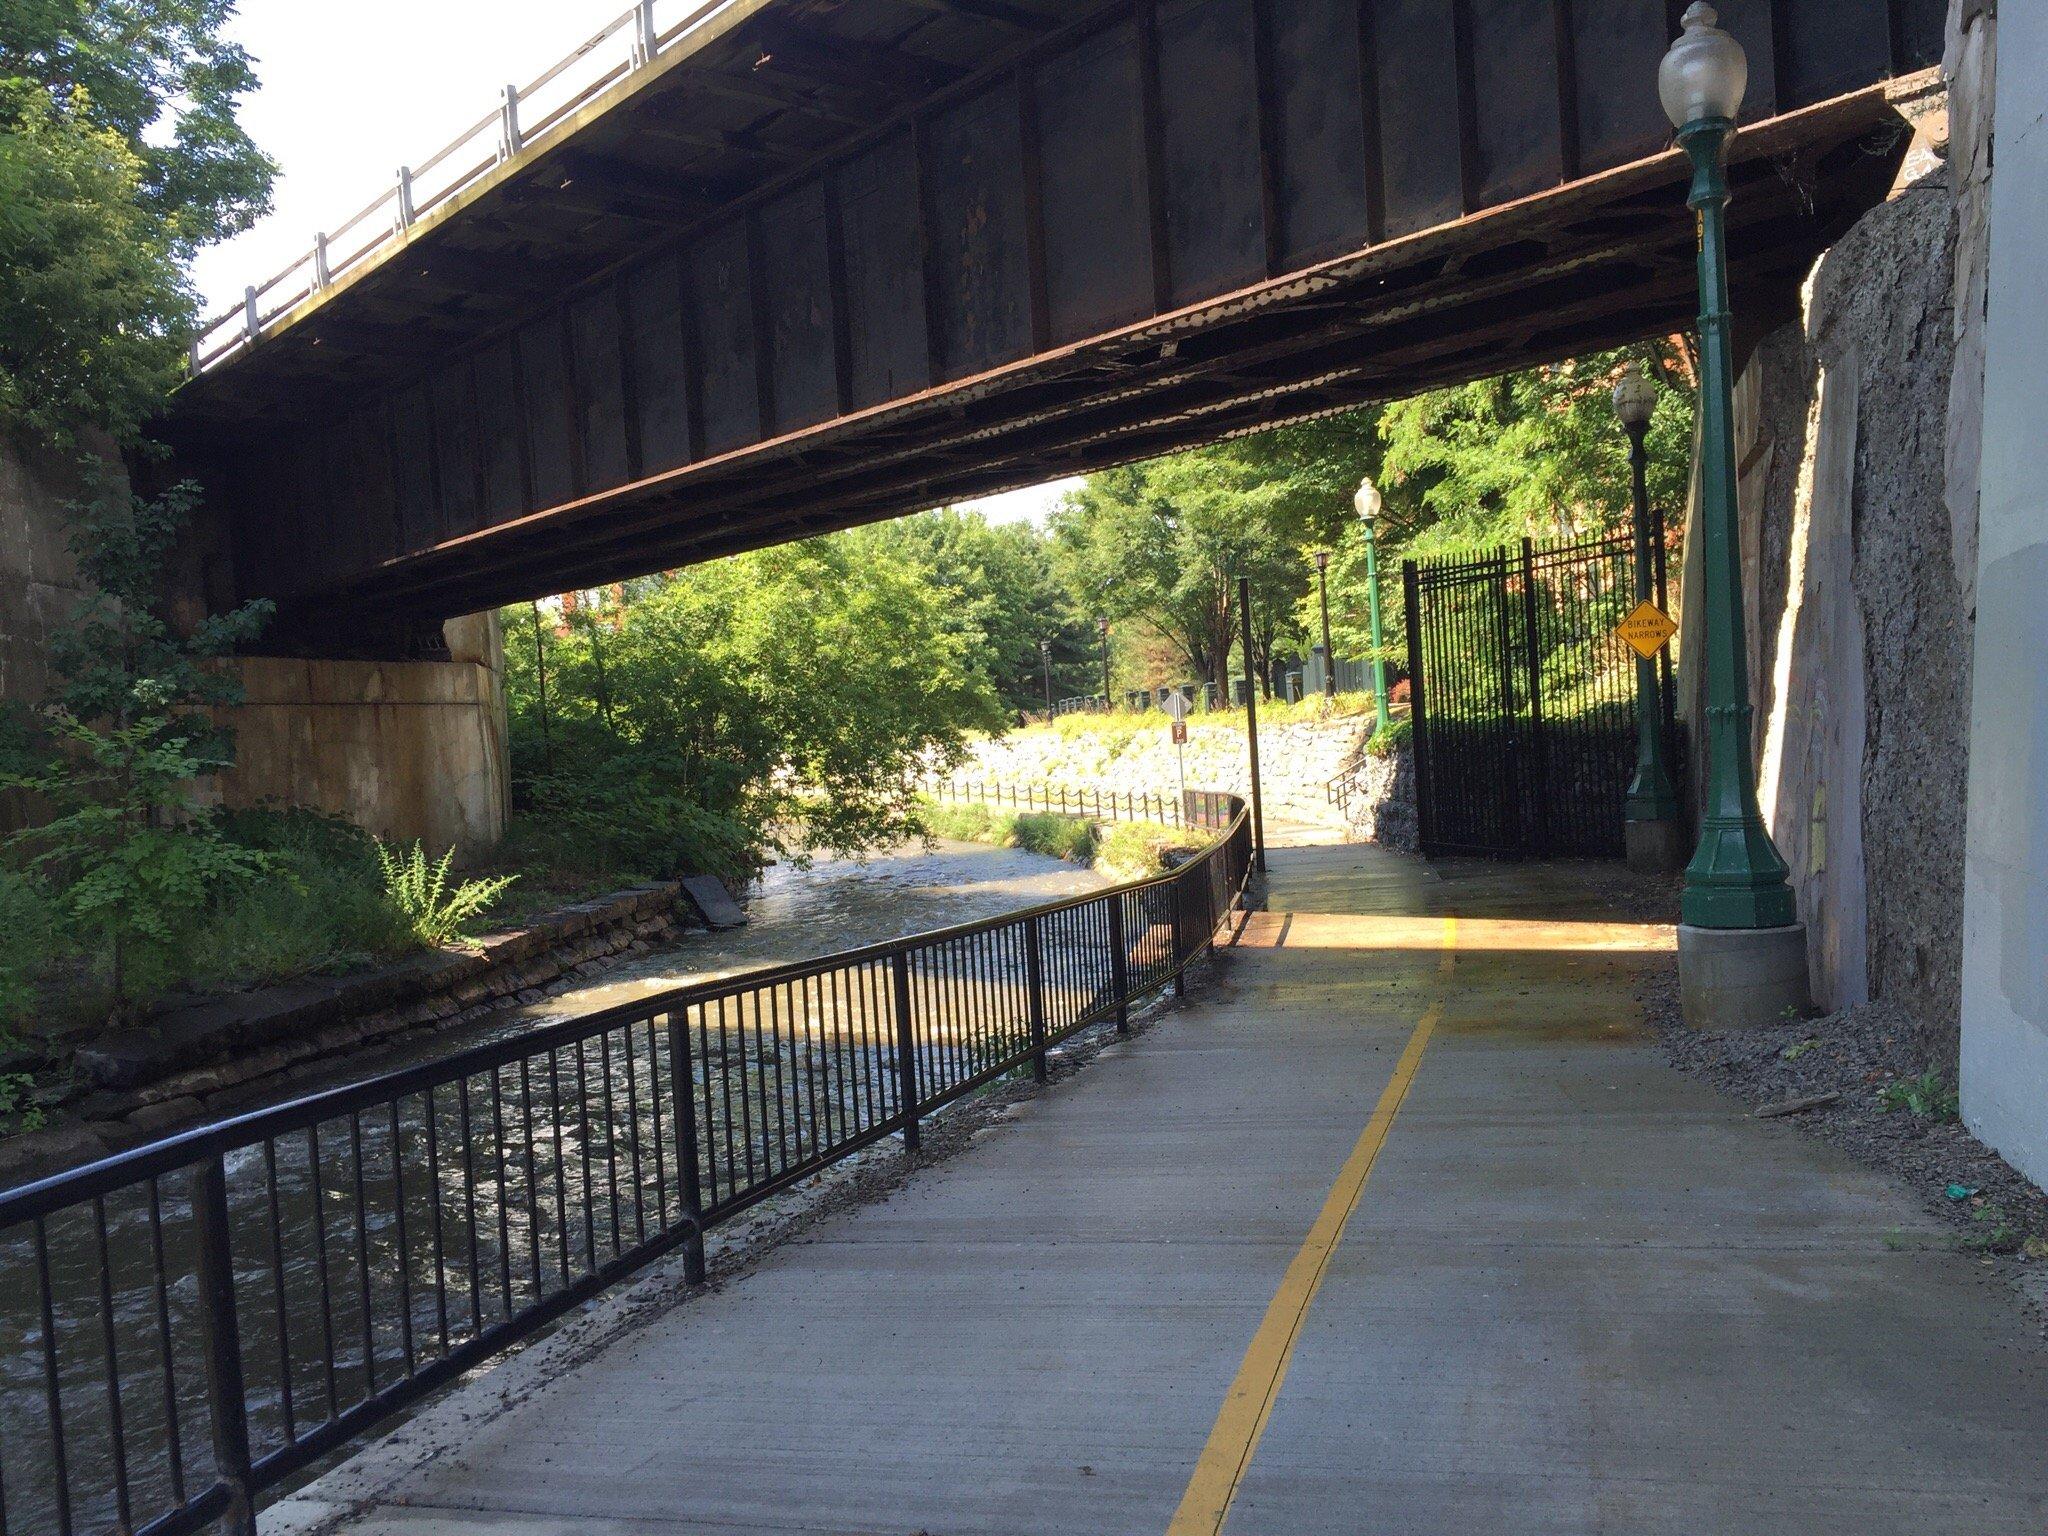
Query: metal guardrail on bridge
x=524, y=117
x=193, y=1322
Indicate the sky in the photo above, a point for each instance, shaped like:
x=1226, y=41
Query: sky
x=349, y=94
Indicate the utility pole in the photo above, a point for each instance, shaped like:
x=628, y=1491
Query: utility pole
x=1323, y=597
x=1652, y=831
x=1251, y=722
x=540, y=669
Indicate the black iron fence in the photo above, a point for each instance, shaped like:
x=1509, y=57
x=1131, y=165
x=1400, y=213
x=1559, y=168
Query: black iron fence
x=189, y=1324
x=1095, y=803
x=1524, y=699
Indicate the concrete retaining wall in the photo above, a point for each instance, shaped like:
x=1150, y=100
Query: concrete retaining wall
x=2005, y=933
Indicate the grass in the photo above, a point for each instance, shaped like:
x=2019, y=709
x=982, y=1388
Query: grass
x=1134, y=850
x=1062, y=837
x=1119, y=727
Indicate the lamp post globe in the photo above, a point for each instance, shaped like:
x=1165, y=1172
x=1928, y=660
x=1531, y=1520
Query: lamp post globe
x=1705, y=73
x=1742, y=953
x=1635, y=398
x=1367, y=501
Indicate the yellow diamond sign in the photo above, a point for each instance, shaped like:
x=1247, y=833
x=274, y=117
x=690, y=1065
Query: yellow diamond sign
x=1647, y=628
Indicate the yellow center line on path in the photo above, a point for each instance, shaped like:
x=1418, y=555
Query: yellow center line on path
x=1249, y=1402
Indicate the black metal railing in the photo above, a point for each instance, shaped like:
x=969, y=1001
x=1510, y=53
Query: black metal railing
x=1094, y=802
x=186, y=1325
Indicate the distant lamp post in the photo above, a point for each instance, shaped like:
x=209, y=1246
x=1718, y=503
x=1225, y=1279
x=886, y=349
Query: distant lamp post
x=1045, y=665
x=1323, y=597
x=1102, y=629
x=1653, y=834
x=1742, y=952
x=1368, y=501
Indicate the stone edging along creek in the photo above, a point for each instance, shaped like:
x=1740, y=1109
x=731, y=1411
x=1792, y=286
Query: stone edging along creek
x=216, y=1055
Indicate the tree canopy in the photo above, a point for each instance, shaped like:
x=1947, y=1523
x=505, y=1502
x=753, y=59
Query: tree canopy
x=1535, y=454
x=120, y=155
x=777, y=700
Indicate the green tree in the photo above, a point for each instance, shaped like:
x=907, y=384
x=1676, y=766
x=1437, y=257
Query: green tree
x=1536, y=454
x=776, y=700
x=1163, y=544
x=1002, y=599
x=125, y=736
x=120, y=155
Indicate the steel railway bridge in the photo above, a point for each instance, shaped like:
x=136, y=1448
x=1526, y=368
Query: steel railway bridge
x=776, y=267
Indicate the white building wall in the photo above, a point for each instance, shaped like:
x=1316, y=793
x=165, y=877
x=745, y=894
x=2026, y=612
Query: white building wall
x=2005, y=902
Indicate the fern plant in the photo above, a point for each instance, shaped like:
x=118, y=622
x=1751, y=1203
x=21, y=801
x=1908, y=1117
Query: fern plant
x=420, y=893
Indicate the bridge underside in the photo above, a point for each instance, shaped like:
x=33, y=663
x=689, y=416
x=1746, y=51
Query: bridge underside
x=662, y=337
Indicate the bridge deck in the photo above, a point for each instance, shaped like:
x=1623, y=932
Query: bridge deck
x=1578, y=1292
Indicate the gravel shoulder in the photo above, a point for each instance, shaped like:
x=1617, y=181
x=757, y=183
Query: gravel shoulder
x=1858, y=1063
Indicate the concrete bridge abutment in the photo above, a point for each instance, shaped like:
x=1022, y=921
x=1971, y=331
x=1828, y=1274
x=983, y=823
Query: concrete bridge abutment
x=404, y=748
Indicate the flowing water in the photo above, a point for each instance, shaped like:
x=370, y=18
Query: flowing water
x=511, y=1184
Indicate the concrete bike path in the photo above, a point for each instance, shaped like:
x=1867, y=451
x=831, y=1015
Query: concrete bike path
x=1399, y=1226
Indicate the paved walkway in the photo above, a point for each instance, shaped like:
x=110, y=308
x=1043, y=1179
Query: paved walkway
x=1400, y=1227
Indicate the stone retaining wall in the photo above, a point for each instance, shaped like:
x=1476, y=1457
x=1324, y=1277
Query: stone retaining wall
x=1382, y=807
x=1297, y=761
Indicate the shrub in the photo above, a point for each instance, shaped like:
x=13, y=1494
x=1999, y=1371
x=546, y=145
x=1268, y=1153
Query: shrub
x=621, y=812
x=28, y=935
x=1398, y=731
x=1072, y=838
x=323, y=908
x=418, y=892
x=1133, y=850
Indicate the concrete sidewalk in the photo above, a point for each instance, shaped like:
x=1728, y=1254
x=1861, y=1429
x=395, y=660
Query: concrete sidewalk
x=1578, y=1292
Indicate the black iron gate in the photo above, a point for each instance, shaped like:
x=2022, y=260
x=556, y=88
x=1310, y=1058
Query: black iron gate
x=1524, y=699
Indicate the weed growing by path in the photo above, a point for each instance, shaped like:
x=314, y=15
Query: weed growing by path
x=1928, y=1096
x=419, y=893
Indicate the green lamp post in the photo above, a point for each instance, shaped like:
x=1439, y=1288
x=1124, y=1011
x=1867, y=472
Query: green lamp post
x=1742, y=954
x=1368, y=502
x=1652, y=832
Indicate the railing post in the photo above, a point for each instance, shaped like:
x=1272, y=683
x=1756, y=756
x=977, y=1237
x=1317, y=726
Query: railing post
x=221, y=1341
x=1180, y=953
x=405, y=208
x=645, y=43
x=510, y=140
x=1034, y=977
x=906, y=1049
x=1119, y=963
x=682, y=1076
x=322, y=274
x=252, y=321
